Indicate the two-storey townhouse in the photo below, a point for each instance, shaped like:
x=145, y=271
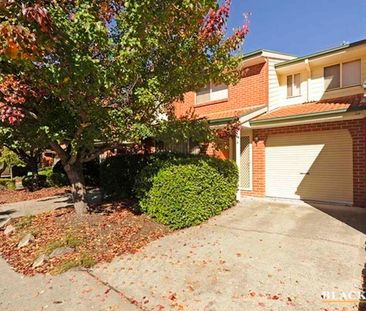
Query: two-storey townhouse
x=303, y=124
x=311, y=144
x=221, y=104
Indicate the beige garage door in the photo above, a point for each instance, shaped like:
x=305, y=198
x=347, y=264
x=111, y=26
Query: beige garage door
x=310, y=166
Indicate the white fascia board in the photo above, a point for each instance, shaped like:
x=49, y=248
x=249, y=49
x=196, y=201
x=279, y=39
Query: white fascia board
x=342, y=117
x=253, y=114
x=274, y=55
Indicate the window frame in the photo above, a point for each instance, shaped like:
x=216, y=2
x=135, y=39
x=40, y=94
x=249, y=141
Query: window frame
x=210, y=86
x=341, y=86
x=293, y=85
x=340, y=77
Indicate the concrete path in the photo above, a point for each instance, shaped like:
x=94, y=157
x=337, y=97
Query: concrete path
x=71, y=291
x=259, y=255
x=74, y=290
x=33, y=207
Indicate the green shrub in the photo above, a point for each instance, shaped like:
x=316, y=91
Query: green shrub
x=33, y=183
x=118, y=174
x=90, y=170
x=46, y=178
x=45, y=171
x=57, y=180
x=185, y=191
x=6, y=183
x=143, y=182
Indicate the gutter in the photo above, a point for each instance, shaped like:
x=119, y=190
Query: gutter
x=242, y=118
x=304, y=116
x=318, y=54
x=222, y=121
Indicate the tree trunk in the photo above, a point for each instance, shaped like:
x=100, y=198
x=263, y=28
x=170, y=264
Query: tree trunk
x=75, y=174
x=33, y=166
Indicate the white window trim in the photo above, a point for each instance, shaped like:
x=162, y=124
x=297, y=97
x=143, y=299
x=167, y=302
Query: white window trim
x=293, y=84
x=341, y=76
x=211, y=101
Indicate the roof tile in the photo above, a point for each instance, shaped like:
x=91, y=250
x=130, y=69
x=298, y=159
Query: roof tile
x=348, y=103
x=235, y=113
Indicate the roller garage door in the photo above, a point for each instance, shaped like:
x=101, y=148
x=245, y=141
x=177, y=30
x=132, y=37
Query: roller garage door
x=310, y=166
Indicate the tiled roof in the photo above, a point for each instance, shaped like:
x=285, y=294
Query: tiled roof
x=226, y=114
x=347, y=103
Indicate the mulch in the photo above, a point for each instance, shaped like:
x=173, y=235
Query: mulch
x=12, y=196
x=101, y=236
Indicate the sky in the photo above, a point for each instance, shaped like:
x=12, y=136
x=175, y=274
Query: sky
x=300, y=27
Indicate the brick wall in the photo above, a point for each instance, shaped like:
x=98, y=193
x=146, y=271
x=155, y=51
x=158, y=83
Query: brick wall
x=222, y=152
x=251, y=90
x=357, y=129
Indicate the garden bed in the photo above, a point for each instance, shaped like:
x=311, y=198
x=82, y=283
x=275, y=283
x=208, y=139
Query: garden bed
x=96, y=237
x=12, y=196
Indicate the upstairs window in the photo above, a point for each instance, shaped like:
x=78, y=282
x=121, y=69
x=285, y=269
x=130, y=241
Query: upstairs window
x=332, y=77
x=212, y=93
x=293, y=85
x=342, y=75
x=351, y=73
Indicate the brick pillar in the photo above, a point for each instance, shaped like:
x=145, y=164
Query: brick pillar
x=358, y=133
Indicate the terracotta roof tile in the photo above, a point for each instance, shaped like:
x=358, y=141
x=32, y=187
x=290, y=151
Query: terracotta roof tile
x=348, y=103
x=235, y=113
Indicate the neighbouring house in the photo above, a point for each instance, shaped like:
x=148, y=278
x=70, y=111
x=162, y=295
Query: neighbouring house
x=48, y=158
x=303, y=124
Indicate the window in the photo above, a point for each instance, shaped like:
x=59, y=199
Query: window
x=332, y=77
x=293, y=85
x=342, y=75
x=212, y=93
x=351, y=73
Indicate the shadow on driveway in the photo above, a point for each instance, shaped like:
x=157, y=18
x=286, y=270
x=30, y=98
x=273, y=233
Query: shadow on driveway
x=355, y=218
x=352, y=216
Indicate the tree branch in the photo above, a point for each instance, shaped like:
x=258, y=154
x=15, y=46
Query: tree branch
x=60, y=152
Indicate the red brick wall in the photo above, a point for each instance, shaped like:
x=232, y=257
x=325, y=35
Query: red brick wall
x=357, y=129
x=222, y=152
x=251, y=90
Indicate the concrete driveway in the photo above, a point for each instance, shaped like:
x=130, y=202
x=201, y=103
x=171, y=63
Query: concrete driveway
x=259, y=255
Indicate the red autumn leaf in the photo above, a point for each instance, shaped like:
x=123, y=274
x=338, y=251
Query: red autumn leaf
x=172, y=296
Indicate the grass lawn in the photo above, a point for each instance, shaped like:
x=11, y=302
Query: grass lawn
x=111, y=230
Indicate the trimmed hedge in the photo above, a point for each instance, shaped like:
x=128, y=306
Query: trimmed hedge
x=182, y=191
x=178, y=190
x=6, y=183
x=118, y=174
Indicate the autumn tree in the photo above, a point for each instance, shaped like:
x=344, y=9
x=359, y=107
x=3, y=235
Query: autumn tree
x=27, y=142
x=89, y=75
x=9, y=159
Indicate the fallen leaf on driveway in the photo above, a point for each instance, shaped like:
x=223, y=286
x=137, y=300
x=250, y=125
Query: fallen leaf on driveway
x=172, y=296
